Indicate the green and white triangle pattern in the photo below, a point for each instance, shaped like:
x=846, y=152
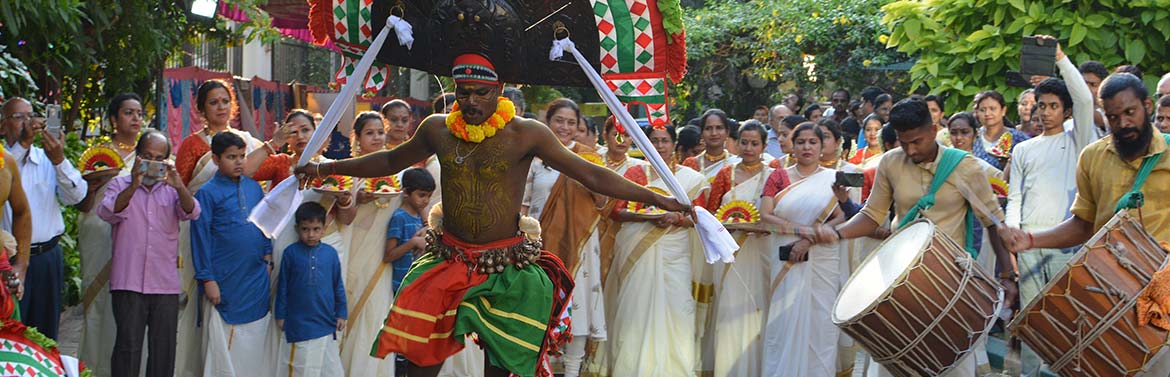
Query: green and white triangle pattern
x=607, y=34
x=643, y=36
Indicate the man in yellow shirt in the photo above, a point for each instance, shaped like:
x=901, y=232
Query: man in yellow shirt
x=1107, y=169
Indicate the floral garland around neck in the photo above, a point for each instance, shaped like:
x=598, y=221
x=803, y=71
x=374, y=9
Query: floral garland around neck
x=476, y=133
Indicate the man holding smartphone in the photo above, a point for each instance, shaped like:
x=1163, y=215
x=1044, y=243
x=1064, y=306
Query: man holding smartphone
x=1043, y=177
x=49, y=181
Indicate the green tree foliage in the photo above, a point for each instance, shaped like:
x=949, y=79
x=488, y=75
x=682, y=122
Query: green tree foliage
x=735, y=44
x=965, y=46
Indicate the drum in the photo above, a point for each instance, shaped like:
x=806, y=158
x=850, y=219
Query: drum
x=1083, y=323
x=918, y=304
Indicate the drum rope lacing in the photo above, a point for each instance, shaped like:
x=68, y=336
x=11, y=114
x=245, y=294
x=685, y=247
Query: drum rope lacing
x=929, y=362
x=967, y=274
x=1119, y=302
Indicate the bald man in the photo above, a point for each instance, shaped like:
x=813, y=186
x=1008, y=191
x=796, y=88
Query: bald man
x=777, y=130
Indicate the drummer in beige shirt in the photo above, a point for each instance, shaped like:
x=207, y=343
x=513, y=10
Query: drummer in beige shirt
x=903, y=177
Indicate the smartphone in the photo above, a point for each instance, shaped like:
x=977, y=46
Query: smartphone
x=1016, y=79
x=53, y=120
x=850, y=179
x=153, y=169
x=1038, y=57
x=786, y=251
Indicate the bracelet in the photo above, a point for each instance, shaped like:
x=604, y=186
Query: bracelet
x=838, y=233
x=271, y=149
x=1031, y=240
x=318, y=168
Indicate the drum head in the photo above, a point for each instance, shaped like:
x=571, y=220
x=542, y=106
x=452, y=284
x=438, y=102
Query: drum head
x=884, y=267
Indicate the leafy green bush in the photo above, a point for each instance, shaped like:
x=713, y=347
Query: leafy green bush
x=965, y=46
x=754, y=51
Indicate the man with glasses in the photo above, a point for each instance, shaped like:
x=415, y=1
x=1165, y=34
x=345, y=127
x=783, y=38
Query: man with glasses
x=49, y=181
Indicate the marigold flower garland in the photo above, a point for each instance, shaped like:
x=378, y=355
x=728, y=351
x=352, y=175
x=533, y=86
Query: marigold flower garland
x=476, y=133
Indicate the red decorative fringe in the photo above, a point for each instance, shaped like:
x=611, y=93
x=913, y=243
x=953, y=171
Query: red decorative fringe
x=676, y=54
x=320, y=20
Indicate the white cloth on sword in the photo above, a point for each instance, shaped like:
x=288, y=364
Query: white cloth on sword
x=274, y=212
x=717, y=242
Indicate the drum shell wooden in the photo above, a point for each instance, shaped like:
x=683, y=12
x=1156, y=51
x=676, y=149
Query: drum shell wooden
x=1059, y=323
x=900, y=331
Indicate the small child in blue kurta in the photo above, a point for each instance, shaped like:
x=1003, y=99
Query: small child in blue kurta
x=310, y=299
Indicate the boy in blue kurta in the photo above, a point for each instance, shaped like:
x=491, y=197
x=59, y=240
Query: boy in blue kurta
x=402, y=235
x=310, y=300
x=232, y=261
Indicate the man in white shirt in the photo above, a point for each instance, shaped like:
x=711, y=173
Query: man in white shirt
x=777, y=133
x=1043, y=179
x=46, y=177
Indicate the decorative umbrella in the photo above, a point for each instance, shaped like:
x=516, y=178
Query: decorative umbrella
x=638, y=43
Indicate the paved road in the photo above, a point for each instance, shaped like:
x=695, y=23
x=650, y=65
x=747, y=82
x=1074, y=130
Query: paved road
x=69, y=333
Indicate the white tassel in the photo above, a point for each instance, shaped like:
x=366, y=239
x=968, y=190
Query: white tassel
x=403, y=30
x=530, y=227
x=435, y=218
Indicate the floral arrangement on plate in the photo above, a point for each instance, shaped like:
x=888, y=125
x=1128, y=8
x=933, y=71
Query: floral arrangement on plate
x=738, y=212
x=333, y=184
x=998, y=186
x=99, y=158
x=383, y=186
x=1003, y=148
x=646, y=210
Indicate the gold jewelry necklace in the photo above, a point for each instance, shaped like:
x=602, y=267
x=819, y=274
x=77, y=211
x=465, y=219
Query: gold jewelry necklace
x=614, y=164
x=752, y=168
x=707, y=156
x=124, y=147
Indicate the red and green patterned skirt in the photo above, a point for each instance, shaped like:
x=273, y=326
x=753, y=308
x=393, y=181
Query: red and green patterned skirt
x=510, y=312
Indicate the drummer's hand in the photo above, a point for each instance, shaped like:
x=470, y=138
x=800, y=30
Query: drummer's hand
x=825, y=234
x=1011, y=292
x=1015, y=240
x=881, y=232
x=800, y=251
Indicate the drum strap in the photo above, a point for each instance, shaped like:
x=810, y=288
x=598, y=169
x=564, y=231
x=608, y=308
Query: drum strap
x=946, y=165
x=1134, y=198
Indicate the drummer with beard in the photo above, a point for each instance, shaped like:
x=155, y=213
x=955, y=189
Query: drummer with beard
x=1110, y=178
x=1107, y=172
x=902, y=180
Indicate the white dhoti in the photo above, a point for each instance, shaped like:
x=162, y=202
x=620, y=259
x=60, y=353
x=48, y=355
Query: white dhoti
x=311, y=358
x=244, y=350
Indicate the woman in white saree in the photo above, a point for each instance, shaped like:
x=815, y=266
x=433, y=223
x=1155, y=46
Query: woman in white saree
x=368, y=281
x=648, y=292
x=741, y=288
x=716, y=127
x=799, y=337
